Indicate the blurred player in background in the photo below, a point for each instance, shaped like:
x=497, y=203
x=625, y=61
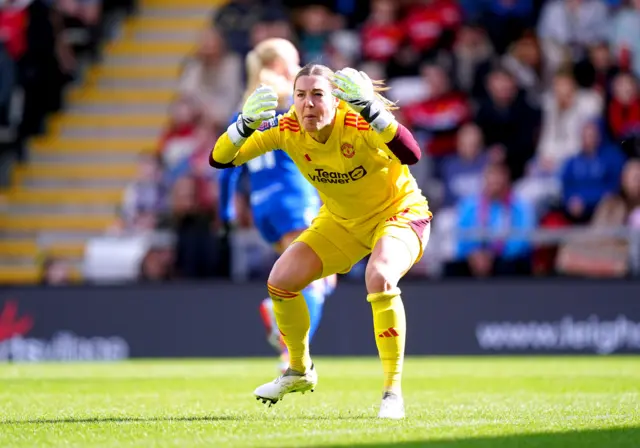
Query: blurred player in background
x=341, y=134
x=283, y=202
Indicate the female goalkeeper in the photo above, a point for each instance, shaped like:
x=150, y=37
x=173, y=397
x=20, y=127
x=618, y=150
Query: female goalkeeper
x=282, y=201
x=345, y=141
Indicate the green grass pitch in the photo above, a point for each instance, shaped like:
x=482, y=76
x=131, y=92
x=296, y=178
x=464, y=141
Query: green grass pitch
x=451, y=403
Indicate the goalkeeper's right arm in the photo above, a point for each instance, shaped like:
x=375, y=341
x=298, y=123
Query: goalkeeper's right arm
x=260, y=106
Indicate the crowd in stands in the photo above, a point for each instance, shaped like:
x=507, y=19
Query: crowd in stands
x=528, y=112
x=44, y=45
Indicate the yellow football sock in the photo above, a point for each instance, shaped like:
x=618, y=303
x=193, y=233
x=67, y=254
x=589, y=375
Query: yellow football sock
x=389, y=323
x=292, y=317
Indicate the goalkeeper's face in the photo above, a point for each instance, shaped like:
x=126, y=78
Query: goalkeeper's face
x=314, y=103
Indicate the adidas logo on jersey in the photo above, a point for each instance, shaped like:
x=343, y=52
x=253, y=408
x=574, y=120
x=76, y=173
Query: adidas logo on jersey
x=333, y=177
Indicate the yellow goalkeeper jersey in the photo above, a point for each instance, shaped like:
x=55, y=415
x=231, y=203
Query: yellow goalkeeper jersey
x=357, y=176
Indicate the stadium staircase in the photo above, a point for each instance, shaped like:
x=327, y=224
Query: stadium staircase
x=70, y=189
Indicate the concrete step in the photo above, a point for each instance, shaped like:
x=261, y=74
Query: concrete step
x=76, y=120
x=38, y=183
x=157, y=23
x=124, y=109
x=149, y=60
x=136, y=83
x=121, y=96
x=147, y=4
x=30, y=249
x=75, y=172
x=49, y=237
x=177, y=10
x=169, y=71
x=66, y=197
x=108, y=133
x=19, y=275
x=30, y=274
x=49, y=145
x=188, y=34
x=60, y=209
x=83, y=157
x=47, y=222
x=144, y=48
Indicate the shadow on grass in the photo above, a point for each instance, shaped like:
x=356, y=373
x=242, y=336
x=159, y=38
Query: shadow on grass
x=605, y=438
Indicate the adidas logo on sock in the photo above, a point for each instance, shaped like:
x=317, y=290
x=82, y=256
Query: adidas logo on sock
x=389, y=333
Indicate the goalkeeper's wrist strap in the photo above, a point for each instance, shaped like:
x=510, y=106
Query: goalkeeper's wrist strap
x=238, y=133
x=377, y=116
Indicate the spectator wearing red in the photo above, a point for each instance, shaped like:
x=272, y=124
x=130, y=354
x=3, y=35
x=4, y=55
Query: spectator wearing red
x=438, y=119
x=13, y=28
x=623, y=112
x=179, y=139
x=431, y=24
x=382, y=34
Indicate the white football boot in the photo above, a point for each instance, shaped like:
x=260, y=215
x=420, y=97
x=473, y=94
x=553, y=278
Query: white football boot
x=392, y=406
x=287, y=383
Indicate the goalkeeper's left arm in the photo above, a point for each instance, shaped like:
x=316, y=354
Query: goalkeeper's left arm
x=356, y=89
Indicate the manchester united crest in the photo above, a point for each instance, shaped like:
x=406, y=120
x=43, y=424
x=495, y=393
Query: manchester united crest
x=347, y=150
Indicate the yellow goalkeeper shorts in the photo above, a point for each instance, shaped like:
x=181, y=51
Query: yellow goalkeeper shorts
x=340, y=248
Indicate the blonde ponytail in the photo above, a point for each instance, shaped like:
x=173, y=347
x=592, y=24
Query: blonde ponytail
x=258, y=71
x=379, y=86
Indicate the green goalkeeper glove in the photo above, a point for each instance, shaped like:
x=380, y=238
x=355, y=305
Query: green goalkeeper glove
x=260, y=106
x=356, y=89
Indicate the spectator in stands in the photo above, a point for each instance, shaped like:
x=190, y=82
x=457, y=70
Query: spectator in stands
x=590, y=175
x=471, y=51
x=506, y=20
x=212, y=78
x=597, y=70
x=382, y=34
x=157, y=265
x=316, y=25
x=525, y=63
x=623, y=112
x=56, y=272
x=625, y=36
x=462, y=173
x=32, y=32
x=146, y=198
x=236, y=18
x=573, y=24
x=591, y=255
x=437, y=119
x=198, y=251
x=494, y=210
x=431, y=25
x=631, y=192
x=179, y=138
x=507, y=119
x=565, y=110
x=84, y=17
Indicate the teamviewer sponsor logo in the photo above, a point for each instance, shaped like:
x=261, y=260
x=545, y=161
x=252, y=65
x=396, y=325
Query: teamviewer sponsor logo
x=600, y=336
x=63, y=346
x=333, y=177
